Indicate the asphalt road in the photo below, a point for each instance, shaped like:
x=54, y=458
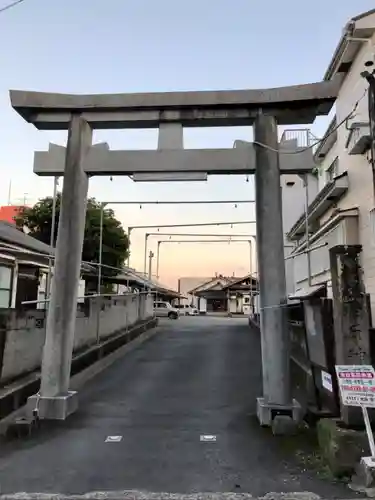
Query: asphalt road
x=198, y=376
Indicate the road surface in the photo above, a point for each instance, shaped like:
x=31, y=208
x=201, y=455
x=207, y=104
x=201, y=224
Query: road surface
x=198, y=376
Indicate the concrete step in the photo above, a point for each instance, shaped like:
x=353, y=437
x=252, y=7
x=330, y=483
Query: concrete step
x=145, y=495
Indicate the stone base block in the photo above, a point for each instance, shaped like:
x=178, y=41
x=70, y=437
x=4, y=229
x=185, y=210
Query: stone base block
x=363, y=480
x=283, y=425
x=267, y=412
x=53, y=408
x=341, y=448
x=366, y=471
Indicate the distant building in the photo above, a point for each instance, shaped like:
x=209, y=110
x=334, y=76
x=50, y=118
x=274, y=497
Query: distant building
x=226, y=294
x=24, y=264
x=9, y=212
x=212, y=294
x=186, y=284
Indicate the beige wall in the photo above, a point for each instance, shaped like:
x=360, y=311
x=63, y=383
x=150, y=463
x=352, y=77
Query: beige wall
x=345, y=231
x=326, y=163
x=360, y=192
x=293, y=202
x=360, y=176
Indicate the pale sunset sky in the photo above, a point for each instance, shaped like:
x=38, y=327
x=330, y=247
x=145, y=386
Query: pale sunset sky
x=106, y=46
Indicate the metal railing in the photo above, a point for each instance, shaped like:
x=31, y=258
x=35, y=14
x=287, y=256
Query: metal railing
x=92, y=296
x=333, y=170
x=302, y=136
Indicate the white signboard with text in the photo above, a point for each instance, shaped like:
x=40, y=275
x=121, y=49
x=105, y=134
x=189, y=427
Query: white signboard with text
x=357, y=385
x=81, y=291
x=327, y=381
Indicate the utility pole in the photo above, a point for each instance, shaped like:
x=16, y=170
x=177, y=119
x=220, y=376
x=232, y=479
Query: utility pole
x=101, y=230
x=307, y=232
x=52, y=238
x=371, y=110
x=158, y=261
x=150, y=257
x=145, y=257
x=370, y=77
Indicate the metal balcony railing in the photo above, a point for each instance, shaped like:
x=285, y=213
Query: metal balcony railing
x=333, y=170
x=302, y=136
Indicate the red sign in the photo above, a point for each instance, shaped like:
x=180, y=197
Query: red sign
x=365, y=375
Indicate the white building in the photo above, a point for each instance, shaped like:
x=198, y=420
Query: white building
x=342, y=209
x=296, y=193
x=185, y=284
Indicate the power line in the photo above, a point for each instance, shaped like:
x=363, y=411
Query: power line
x=9, y=6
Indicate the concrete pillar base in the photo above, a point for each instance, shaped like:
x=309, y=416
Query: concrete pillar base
x=364, y=479
x=267, y=412
x=53, y=408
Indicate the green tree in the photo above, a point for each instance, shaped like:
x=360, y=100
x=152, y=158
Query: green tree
x=38, y=221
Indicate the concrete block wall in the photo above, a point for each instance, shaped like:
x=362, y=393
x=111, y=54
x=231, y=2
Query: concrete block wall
x=119, y=312
x=149, y=311
x=22, y=333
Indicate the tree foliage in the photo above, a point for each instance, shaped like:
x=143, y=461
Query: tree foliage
x=38, y=221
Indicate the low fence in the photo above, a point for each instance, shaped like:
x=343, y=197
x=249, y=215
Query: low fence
x=22, y=332
x=312, y=348
x=312, y=355
x=311, y=329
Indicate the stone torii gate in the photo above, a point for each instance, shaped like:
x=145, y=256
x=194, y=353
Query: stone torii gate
x=170, y=112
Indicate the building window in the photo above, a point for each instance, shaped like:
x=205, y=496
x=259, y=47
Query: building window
x=5, y=285
x=333, y=170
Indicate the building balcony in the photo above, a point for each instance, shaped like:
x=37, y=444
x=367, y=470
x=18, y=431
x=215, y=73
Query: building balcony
x=330, y=194
x=359, y=138
x=302, y=138
x=341, y=229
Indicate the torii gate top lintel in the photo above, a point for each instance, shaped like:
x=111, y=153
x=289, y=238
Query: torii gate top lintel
x=298, y=104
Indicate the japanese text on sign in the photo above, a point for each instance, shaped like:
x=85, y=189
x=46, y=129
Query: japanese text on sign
x=356, y=384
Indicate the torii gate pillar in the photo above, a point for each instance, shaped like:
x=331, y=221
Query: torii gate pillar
x=276, y=408
x=55, y=401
